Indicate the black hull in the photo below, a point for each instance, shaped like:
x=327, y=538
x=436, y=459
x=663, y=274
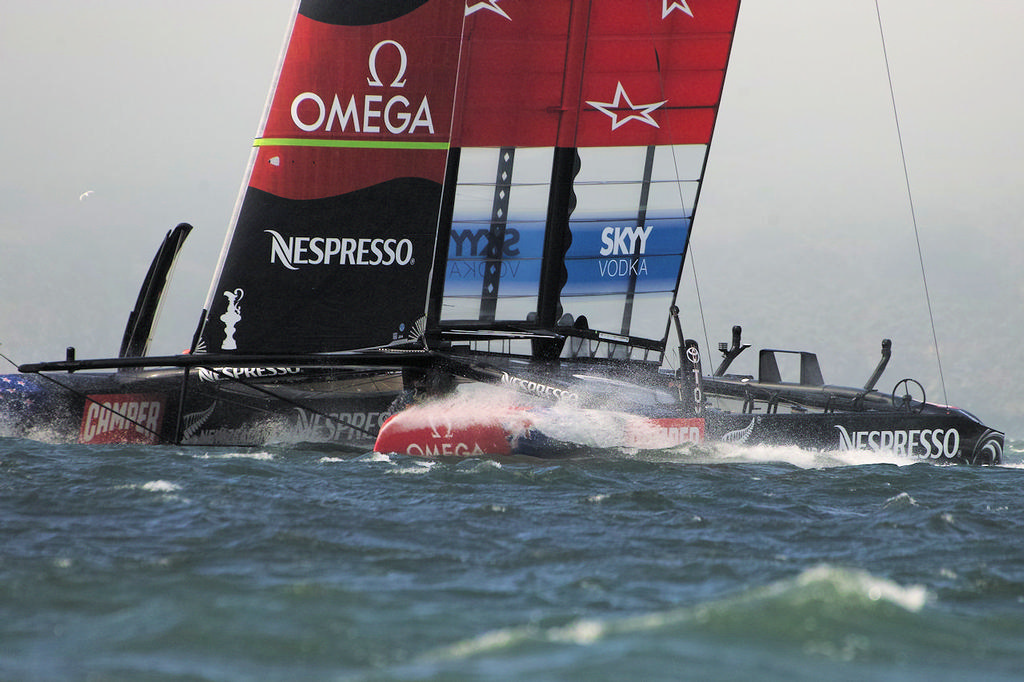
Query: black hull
x=345, y=406
x=264, y=405
x=952, y=438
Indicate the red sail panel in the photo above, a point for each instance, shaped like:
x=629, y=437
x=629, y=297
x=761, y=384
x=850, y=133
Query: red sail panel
x=374, y=98
x=583, y=73
x=513, y=73
x=654, y=72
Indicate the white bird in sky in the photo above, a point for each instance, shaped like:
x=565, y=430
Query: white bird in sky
x=83, y=195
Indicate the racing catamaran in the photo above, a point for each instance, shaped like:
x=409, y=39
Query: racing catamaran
x=449, y=195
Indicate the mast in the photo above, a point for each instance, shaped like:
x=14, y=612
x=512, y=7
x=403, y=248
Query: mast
x=561, y=202
x=566, y=165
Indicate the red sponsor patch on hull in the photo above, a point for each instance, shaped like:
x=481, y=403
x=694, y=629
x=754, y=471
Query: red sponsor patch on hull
x=122, y=418
x=466, y=431
x=678, y=431
x=440, y=431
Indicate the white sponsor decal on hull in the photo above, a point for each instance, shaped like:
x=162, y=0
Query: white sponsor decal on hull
x=224, y=373
x=536, y=388
x=337, y=426
x=447, y=449
x=924, y=443
x=122, y=418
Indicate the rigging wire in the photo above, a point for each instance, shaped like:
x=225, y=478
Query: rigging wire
x=8, y=359
x=700, y=303
x=688, y=249
x=910, y=198
x=689, y=252
x=700, y=309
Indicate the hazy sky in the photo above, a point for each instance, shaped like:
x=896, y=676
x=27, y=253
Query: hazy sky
x=803, y=233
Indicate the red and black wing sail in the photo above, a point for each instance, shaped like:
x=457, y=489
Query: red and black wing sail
x=333, y=236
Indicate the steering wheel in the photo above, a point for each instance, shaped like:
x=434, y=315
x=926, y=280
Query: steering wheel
x=903, y=396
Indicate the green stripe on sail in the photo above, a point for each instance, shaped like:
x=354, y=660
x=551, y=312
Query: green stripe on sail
x=348, y=144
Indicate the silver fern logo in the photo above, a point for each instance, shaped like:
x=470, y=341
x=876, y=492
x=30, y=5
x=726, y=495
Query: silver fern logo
x=194, y=421
x=739, y=437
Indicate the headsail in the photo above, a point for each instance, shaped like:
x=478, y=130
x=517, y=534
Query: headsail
x=332, y=240
x=582, y=129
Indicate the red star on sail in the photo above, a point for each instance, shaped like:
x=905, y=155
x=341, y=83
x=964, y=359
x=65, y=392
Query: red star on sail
x=622, y=103
x=668, y=5
x=489, y=5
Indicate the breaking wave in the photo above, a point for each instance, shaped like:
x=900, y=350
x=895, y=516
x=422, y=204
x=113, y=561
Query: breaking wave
x=825, y=610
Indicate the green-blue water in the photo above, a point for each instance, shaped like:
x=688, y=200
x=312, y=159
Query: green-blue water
x=291, y=563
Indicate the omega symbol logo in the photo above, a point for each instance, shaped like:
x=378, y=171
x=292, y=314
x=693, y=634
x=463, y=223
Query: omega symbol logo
x=399, y=81
x=370, y=112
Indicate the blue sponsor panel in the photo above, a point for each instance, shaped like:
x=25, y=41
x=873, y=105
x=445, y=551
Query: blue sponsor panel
x=613, y=275
x=471, y=239
x=618, y=237
x=606, y=256
x=470, y=251
x=519, y=277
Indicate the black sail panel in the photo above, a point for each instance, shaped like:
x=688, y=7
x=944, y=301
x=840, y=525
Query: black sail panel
x=298, y=283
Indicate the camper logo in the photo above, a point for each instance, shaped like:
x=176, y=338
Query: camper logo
x=369, y=112
x=669, y=432
x=122, y=418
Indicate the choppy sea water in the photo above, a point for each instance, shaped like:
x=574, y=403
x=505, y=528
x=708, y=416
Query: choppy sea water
x=711, y=563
